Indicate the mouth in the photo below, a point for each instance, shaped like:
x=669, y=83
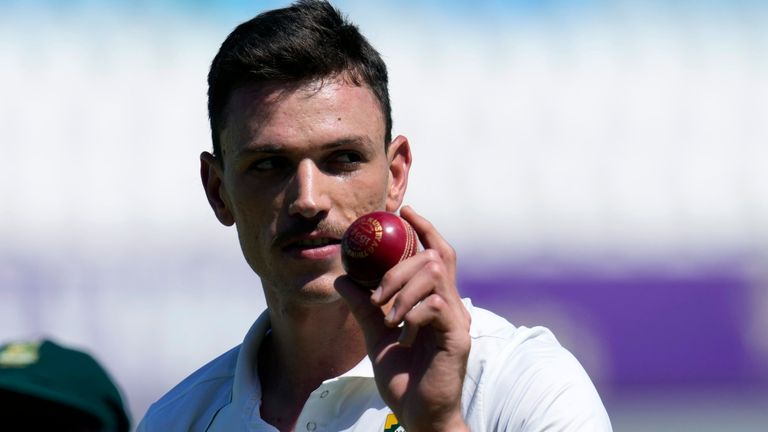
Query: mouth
x=313, y=247
x=315, y=242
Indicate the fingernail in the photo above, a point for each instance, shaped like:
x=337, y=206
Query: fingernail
x=391, y=315
x=376, y=296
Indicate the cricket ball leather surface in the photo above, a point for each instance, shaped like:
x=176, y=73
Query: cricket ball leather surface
x=374, y=243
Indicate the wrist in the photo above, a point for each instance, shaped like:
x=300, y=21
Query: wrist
x=453, y=424
x=457, y=425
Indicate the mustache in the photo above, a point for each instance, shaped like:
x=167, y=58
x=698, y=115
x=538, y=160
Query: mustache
x=302, y=227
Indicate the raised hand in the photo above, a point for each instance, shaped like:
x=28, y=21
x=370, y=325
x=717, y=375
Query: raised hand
x=417, y=333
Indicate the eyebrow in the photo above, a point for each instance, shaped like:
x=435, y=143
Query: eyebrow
x=273, y=148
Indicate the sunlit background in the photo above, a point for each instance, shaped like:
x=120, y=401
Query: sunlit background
x=601, y=168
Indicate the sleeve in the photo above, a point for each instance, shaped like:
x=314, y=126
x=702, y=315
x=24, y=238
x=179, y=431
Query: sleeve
x=142, y=426
x=540, y=386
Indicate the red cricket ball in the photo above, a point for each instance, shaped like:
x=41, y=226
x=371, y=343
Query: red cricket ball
x=374, y=243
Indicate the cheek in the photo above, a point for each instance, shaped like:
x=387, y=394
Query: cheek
x=362, y=196
x=255, y=231
x=254, y=200
x=255, y=215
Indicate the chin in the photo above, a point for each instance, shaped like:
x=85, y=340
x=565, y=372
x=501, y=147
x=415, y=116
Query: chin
x=316, y=297
x=316, y=290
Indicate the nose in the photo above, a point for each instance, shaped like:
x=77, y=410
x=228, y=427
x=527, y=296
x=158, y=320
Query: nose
x=309, y=195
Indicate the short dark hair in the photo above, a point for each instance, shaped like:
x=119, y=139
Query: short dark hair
x=308, y=40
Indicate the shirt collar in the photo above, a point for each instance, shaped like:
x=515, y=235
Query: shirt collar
x=246, y=381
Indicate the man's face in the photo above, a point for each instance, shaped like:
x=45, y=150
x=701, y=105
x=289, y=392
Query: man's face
x=300, y=163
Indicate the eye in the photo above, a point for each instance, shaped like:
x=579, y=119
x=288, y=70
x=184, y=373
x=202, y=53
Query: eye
x=347, y=158
x=344, y=162
x=269, y=164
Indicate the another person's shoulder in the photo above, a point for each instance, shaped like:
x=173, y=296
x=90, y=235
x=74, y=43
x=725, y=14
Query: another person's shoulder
x=192, y=403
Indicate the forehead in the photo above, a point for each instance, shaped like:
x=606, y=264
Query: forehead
x=301, y=114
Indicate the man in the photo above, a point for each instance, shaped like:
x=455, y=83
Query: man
x=302, y=146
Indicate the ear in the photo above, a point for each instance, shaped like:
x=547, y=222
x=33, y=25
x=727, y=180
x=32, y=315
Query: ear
x=399, y=156
x=211, y=173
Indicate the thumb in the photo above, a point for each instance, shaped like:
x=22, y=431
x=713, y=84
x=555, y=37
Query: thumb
x=370, y=317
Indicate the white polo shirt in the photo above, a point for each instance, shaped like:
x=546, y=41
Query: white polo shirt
x=518, y=379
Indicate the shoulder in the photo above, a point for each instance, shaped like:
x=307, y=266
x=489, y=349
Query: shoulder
x=496, y=343
x=193, y=402
x=492, y=335
x=518, y=377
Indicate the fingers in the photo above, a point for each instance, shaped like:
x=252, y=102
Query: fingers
x=432, y=311
x=419, y=304
x=436, y=265
x=422, y=289
x=404, y=271
x=409, y=286
x=430, y=237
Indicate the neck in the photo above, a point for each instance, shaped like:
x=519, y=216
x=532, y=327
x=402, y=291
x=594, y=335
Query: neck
x=308, y=344
x=317, y=340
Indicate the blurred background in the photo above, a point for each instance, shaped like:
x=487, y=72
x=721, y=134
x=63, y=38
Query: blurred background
x=600, y=166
